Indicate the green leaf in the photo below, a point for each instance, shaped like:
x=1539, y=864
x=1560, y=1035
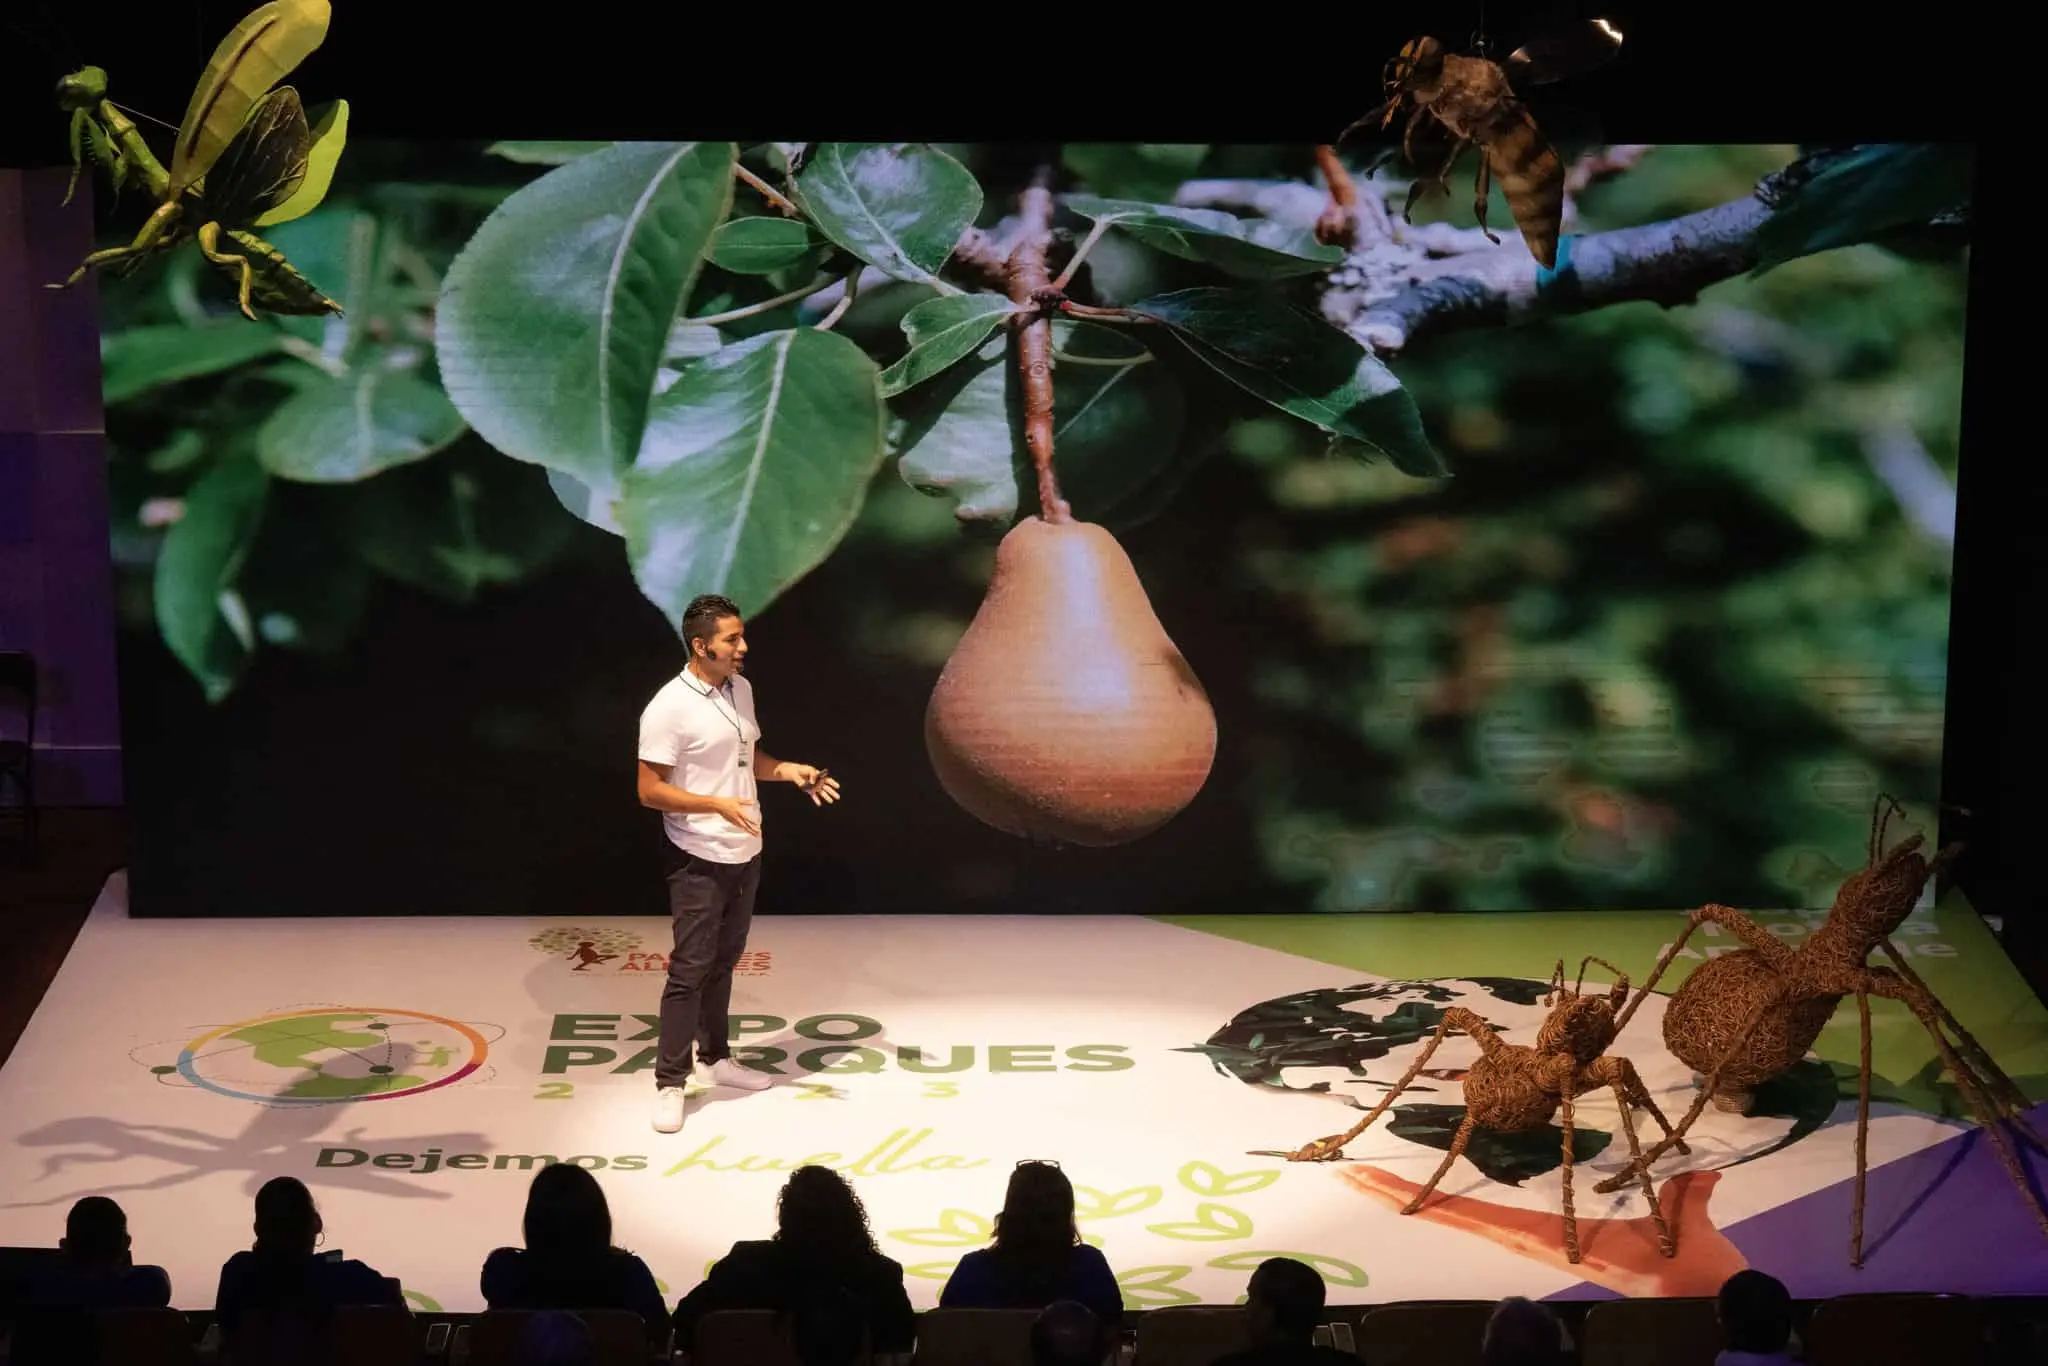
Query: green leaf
x=599, y=510
x=202, y=619
x=339, y=248
x=932, y=1271
x=1134, y=170
x=1302, y=365
x=1252, y=248
x=942, y=332
x=1212, y=1223
x=452, y=525
x=1866, y=194
x=1205, y=1179
x=900, y=207
x=755, y=466
x=554, y=319
x=957, y=1228
x=185, y=448
x=307, y=588
x=330, y=135
x=1334, y=1270
x=1153, y=1287
x=138, y=359
x=351, y=428
x=1114, y=428
x=762, y=245
x=1090, y=1203
x=544, y=153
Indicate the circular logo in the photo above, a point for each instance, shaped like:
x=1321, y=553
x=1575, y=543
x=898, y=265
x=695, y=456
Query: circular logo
x=330, y=1055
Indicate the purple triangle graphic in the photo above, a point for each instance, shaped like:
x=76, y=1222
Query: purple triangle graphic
x=1947, y=1218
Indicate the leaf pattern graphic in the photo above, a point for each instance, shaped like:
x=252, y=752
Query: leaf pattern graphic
x=957, y=1228
x=1334, y=1270
x=1212, y=1223
x=1204, y=1178
x=1090, y=1203
x=1151, y=1287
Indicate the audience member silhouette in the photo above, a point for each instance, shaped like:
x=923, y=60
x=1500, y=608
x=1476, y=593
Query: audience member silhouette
x=95, y=1269
x=821, y=1239
x=275, y=1300
x=1755, y=1311
x=569, y=1261
x=53, y=1303
x=555, y=1337
x=1067, y=1333
x=1038, y=1256
x=829, y=1328
x=1283, y=1305
x=1522, y=1333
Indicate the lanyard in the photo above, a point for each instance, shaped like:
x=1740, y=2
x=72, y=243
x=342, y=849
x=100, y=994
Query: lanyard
x=732, y=720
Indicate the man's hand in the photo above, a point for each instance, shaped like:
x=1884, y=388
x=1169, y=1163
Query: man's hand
x=734, y=809
x=817, y=784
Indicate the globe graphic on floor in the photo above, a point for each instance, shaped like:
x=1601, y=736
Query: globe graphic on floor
x=328, y=1056
x=1353, y=1045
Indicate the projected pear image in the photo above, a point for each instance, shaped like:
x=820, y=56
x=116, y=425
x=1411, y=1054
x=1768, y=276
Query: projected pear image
x=1066, y=714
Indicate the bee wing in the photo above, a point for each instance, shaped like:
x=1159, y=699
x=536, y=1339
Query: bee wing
x=1562, y=53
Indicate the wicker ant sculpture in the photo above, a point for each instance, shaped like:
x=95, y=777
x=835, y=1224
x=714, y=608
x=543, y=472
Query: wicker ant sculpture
x=1745, y=1016
x=1513, y=1088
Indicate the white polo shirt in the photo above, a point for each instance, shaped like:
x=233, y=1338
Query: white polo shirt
x=707, y=737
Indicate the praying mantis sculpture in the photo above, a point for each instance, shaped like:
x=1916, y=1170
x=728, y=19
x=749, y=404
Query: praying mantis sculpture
x=1743, y=1017
x=245, y=158
x=1514, y=1088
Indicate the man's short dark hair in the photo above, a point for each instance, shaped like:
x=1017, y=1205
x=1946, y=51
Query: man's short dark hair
x=95, y=1227
x=1066, y=1333
x=701, y=617
x=1756, y=1312
x=1293, y=1291
x=1524, y=1333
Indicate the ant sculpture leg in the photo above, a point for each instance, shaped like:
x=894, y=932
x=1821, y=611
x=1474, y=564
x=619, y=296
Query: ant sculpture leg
x=1675, y=1137
x=1331, y=1149
x=1457, y=1150
x=1629, y=1092
x=1753, y=936
x=2011, y=1102
x=1886, y=983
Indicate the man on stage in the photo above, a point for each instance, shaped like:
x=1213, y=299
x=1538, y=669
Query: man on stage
x=700, y=763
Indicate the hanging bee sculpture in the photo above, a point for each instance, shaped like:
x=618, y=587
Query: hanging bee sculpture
x=1455, y=101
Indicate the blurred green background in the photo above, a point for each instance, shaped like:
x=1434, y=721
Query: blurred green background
x=1679, y=617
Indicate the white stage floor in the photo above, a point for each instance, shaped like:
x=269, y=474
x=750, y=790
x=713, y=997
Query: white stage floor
x=414, y=1072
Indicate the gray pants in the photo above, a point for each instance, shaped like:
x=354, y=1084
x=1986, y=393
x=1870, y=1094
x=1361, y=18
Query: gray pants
x=711, y=906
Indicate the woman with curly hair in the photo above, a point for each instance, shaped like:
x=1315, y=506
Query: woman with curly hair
x=1038, y=1256
x=822, y=1248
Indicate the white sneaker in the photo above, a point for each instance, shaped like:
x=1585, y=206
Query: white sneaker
x=668, y=1109
x=737, y=1075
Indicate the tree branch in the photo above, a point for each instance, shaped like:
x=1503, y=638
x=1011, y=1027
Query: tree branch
x=1030, y=286
x=1923, y=491
x=1413, y=282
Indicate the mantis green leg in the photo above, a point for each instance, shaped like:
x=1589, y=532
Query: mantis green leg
x=155, y=234
x=209, y=242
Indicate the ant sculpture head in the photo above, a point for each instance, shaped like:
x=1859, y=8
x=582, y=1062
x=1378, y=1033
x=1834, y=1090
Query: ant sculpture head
x=1876, y=899
x=1578, y=1024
